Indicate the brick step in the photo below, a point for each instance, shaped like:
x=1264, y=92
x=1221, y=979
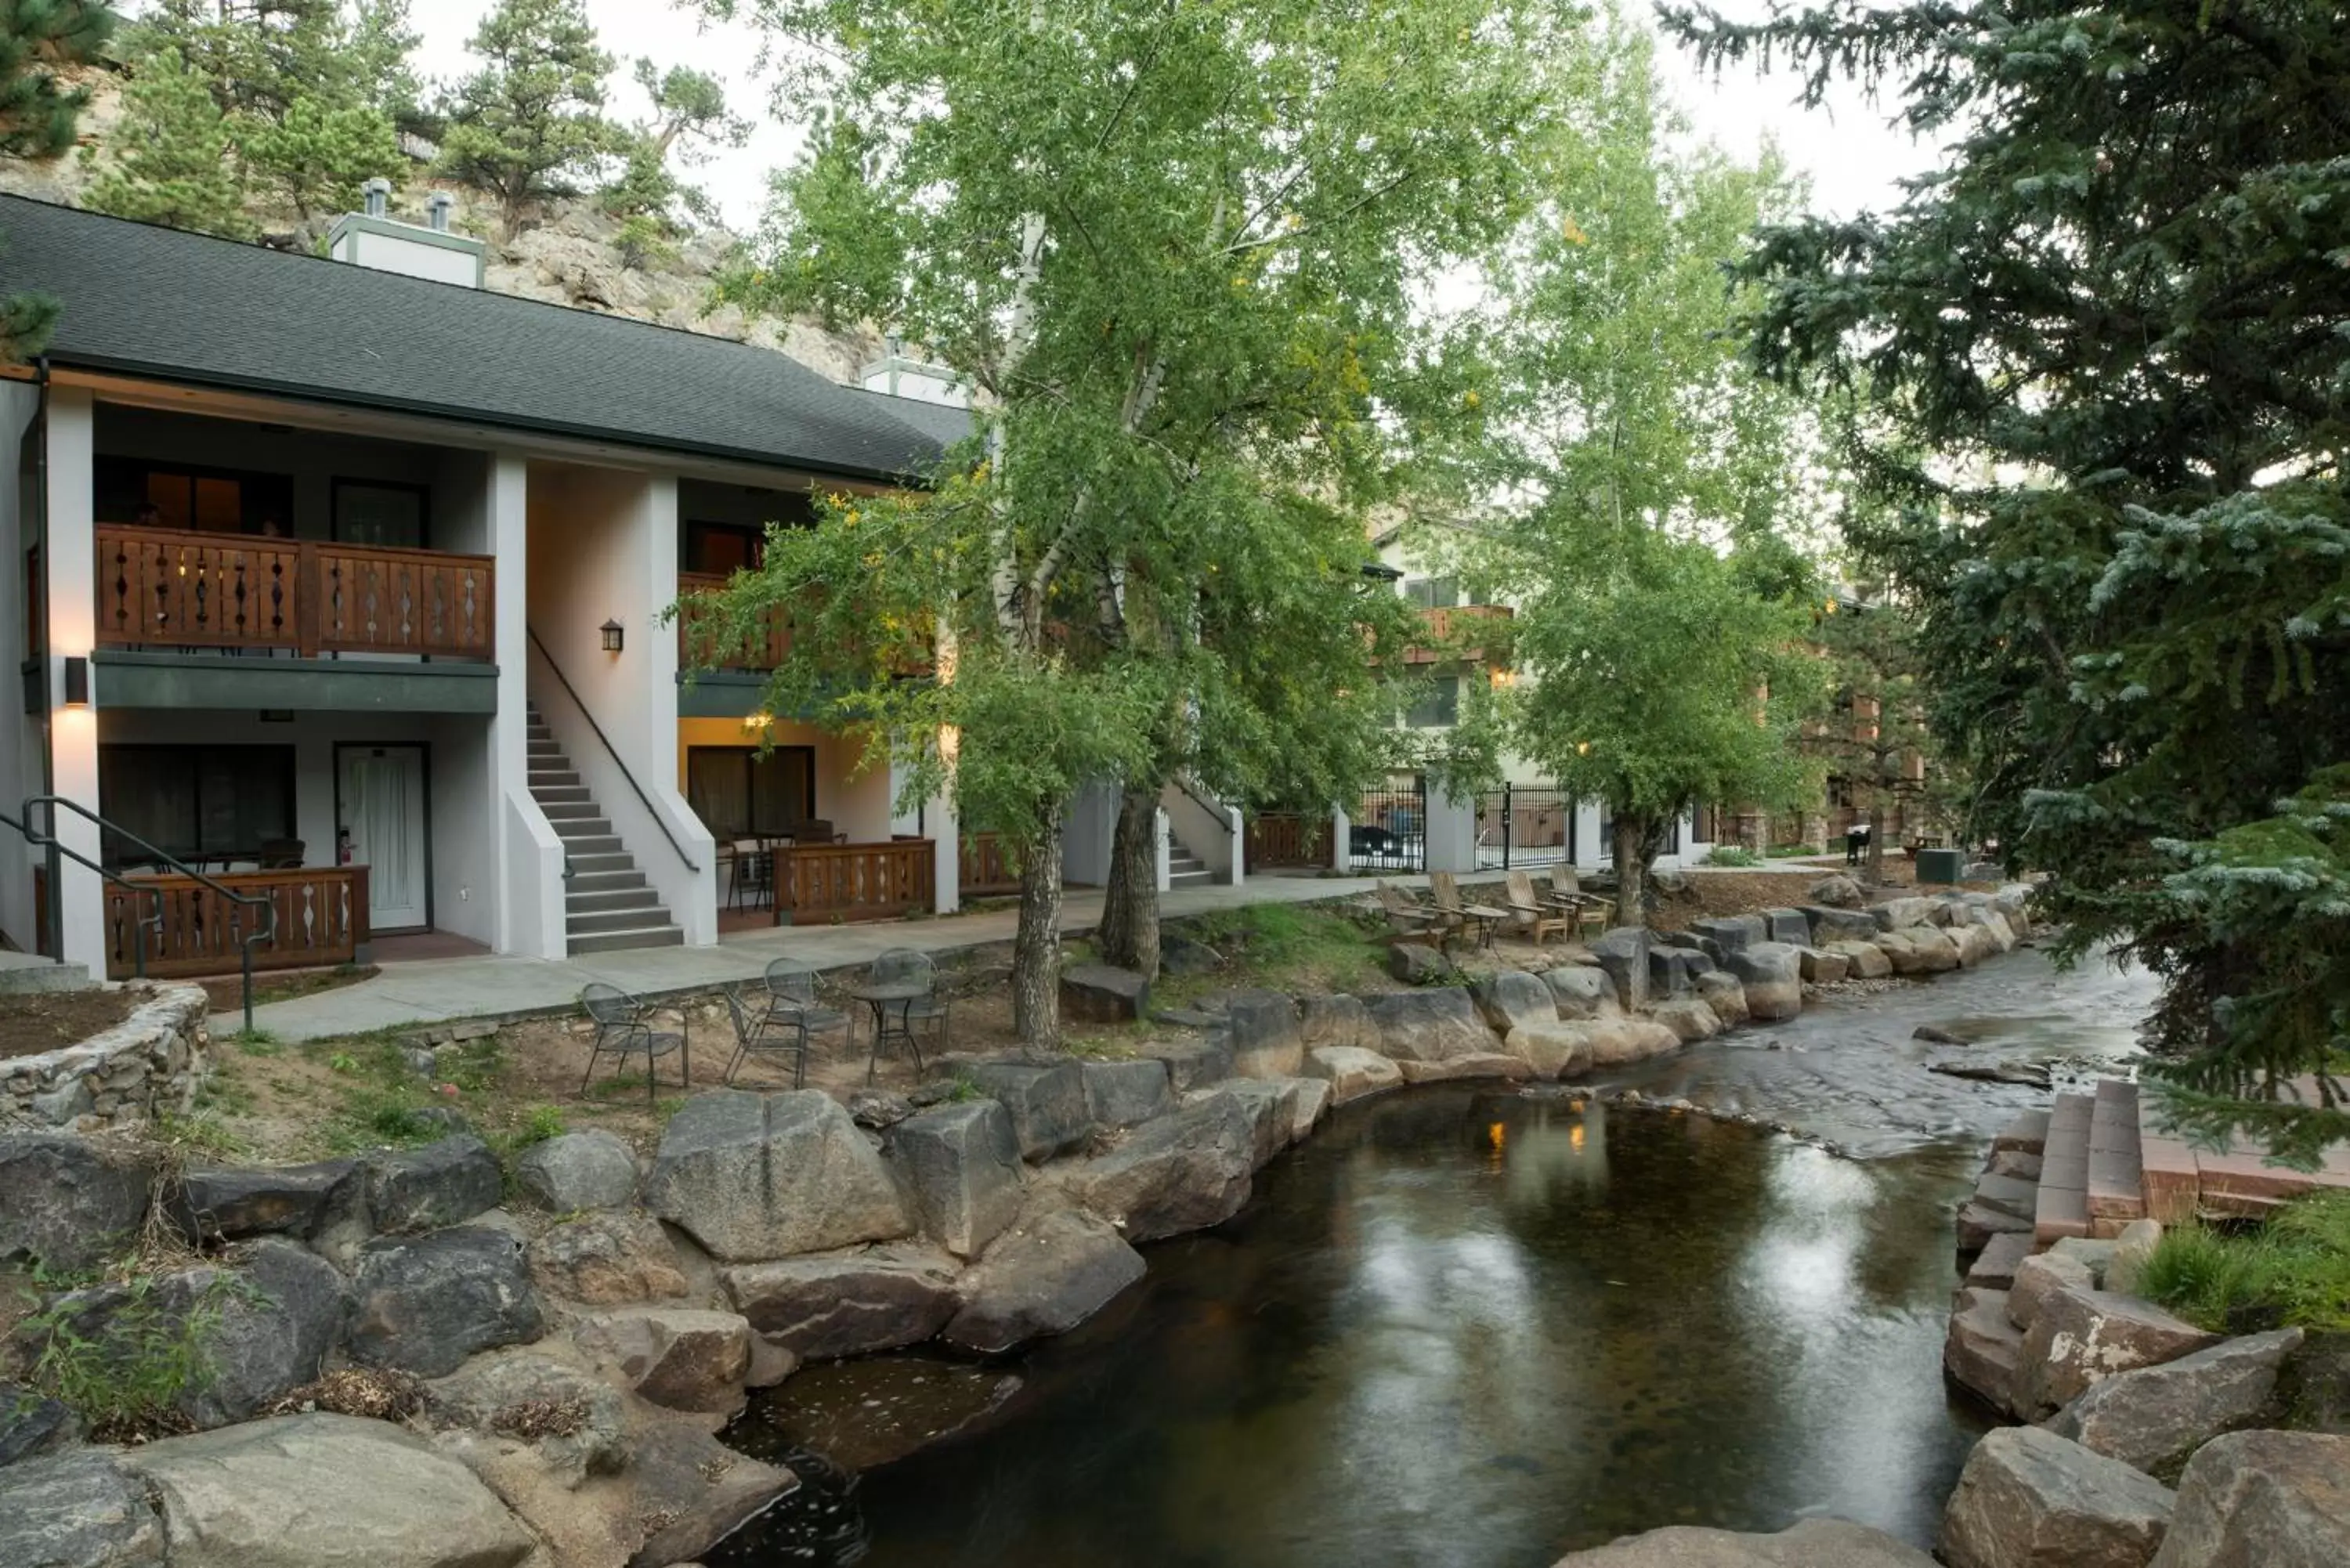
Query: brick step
x=2113, y=1195
x=2063, y=1206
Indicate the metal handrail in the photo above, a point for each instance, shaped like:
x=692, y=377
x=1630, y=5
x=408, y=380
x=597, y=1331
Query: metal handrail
x=153, y=922
x=1220, y=815
x=659, y=820
x=265, y=933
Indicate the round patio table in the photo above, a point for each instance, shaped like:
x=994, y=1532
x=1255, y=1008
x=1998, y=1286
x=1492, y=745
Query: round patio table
x=890, y=1002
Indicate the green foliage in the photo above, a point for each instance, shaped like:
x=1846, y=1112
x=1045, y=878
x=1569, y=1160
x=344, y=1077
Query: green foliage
x=257, y=1043
x=690, y=118
x=174, y=157
x=318, y=157
x=1732, y=855
x=529, y=122
x=2112, y=318
x=2295, y=1270
x=37, y=114
x=643, y=242
x=538, y=1124
x=126, y=1380
x=1882, y=686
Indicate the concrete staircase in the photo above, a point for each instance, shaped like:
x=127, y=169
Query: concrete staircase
x=27, y=974
x=1185, y=869
x=608, y=903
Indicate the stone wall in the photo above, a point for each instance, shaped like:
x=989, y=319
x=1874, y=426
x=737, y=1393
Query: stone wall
x=149, y=1062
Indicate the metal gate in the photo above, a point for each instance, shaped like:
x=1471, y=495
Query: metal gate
x=1389, y=829
x=1525, y=824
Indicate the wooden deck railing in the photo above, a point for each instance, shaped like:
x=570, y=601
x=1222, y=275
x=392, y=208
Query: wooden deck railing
x=322, y=920
x=1461, y=622
x=164, y=588
x=1288, y=838
x=820, y=882
x=698, y=645
x=985, y=871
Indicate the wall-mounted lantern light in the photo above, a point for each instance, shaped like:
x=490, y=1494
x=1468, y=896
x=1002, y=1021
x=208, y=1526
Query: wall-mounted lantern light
x=612, y=634
x=77, y=681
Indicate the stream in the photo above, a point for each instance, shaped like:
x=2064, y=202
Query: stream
x=1476, y=1327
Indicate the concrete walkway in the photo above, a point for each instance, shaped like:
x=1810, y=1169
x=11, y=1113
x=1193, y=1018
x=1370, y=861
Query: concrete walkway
x=428, y=991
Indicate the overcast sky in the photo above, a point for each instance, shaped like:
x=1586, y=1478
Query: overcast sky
x=1846, y=148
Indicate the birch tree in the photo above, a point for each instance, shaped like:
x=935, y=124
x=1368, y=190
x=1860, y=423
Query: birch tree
x=1174, y=249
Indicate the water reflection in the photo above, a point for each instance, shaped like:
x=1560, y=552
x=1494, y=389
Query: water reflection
x=1472, y=1328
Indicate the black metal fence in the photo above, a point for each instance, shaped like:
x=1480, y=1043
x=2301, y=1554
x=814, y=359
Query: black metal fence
x=1525, y=824
x=1387, y=831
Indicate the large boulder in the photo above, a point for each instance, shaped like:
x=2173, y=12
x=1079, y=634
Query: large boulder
x=1830, y=923
x=1788, y=926
x=211, y=1204
x=1727, y=934
x=1617, y=1041
x=1417, y=963
x=1484, y=1065
x=319, y=1491
x=848, y=1304
x=1983, y=1350
x=607, y=1259
x=578, y=1172
x=2079, y=1337
x=1623, y=955
x=1046, y=1102
x=1552, y=1050
x=1820, y=967
x=1101, y=993
x=1429, y=1026
x=1673, y=971
x=1272, y=1108
x=1183, y=1172
x=1352, y=1073
x=1863, y=960
x=1196, y=1062
x=444, y=1183
x=32, y=1424
x=1340, y=1021
x=1725, y=994
x=2262, y=1499
x=2030, y=1498
x=2041, y=1275
x=1689, y=1019
x=1771, y=973
x=1932, y=948
x=66, y=1202
x=76, y=1510
x=678, y=1358
x=1046, y=1275
x=961, y=1164
x=1582, y=991
x=1123, y=1094
x=1267, y=1039
x=575, y=1422
x=1511, y=997
x=424, y=1304
x=2155, y=1418
x=753, y=1176
x=1837, y=892
x=1806, y=1544
x=1973, y=944
x=1902, y=914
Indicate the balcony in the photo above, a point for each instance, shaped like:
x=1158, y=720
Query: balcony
x=698, y=646
x=165, y=591
x=1459, y=624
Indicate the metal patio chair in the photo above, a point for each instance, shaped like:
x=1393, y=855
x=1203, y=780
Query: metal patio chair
x=622, y=1032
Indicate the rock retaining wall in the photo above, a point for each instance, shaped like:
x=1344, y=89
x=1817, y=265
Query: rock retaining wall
x=121, y=1080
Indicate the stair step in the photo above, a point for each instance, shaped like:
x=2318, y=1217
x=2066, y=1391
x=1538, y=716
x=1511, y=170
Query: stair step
x=555, y=777
x=613, y=901
x=2062, y=1207
x=561, y=794
x=2114, y=1194
x=618, y=941
x=619, y=878
x=569, y=810
x=582, y=827
x=604, y=847
x=645, y=913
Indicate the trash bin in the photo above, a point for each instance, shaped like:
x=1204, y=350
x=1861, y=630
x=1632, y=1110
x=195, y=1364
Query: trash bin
x=1944, y=866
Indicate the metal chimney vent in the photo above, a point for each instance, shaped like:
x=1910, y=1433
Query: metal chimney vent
x=437, y=211
x=378, y=197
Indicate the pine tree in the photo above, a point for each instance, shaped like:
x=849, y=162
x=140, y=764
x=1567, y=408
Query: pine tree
x=689, y=117
x=174, y=159
x=2114, y=318
x=37, y=117
x=318, y=157
x=529, y=123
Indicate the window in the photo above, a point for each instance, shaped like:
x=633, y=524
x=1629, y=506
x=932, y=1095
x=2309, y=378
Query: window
x=1432, y=593
x=720, y=549
x=1439, y=708
x=206, y=500
x=390, y=516
x=738, y=793
x=195, y=800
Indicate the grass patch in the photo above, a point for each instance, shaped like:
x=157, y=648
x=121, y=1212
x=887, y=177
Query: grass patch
x=126, y=1375
x=1732, y=855
x=257, y=1043
x=2294, y=1271
x=1283, y=946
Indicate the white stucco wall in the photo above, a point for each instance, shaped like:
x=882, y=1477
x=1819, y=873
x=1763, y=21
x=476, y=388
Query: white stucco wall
x=21, y=740
x=73, y=616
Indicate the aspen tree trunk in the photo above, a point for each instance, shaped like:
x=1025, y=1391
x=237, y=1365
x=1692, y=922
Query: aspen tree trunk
x=1631, y=869
x=1036, y=949
x=1129, y=926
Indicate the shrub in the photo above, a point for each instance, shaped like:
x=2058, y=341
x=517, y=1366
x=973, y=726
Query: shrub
x=126, y=1380
x=1732, y=855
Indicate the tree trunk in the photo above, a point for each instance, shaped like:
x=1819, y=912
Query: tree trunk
x=1876, y=814
x=1036, y=949
x=1632, y=840
x=1128, y=937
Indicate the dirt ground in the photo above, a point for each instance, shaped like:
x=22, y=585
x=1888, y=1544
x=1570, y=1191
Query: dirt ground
x=228, y=994
x=45, y=1021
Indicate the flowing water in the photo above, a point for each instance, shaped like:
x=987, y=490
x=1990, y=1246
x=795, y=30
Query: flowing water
x=1482, y=1327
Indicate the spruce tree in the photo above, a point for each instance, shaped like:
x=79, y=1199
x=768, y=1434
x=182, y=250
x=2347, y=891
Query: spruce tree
x=37, y=116
x=174, y=159
x=2114, y=318
x=530, y=123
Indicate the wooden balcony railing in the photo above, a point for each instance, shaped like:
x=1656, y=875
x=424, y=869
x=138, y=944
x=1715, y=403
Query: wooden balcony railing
x=985, y=871
x=163, y=588
x=825, y=882
x=322, y=920
x=1288, y=838
x=1460, y=622
x=698, y=645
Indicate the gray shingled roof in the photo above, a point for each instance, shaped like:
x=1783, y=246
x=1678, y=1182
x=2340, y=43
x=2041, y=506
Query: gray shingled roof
x=154, y=301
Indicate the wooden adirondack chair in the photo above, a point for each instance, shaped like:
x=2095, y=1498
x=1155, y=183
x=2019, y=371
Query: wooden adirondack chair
x=1535, y=919
x=1408, y=917
x=1446, y=888
x=1591, y=912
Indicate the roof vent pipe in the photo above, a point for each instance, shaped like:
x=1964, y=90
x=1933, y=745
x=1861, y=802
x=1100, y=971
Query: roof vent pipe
x=378, y=197
x=437, y=209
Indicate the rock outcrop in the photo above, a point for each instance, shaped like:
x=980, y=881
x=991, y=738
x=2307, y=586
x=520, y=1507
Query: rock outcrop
x=2155, y=1418
x=2029, y=1499
x=2262, y=1499
x=753, y=1176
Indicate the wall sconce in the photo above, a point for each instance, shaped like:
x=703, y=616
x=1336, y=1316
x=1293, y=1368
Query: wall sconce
x=77, y=681
x=612, y=636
